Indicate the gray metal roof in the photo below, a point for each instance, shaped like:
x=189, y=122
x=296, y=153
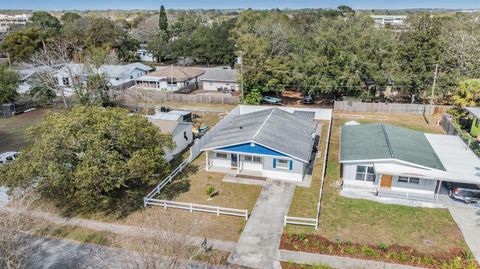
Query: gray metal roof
x=475, y=111
x=383, y=141
x=216, y=74
x=273, y=128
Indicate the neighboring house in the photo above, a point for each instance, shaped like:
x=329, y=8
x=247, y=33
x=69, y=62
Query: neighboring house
x=270, y=142
x=475, y=128
x=27, y=72
x=175, y=115
x=181, y=133
x=117, y=74
x=8, y=21
x=395, y=21
x=218, y=79
x=397, y=162
x=145, y=55
x=171, y=79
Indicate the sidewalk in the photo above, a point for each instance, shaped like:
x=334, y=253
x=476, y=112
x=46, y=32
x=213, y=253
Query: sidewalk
x=123, y=229
x=260, y=239
x=337, y=261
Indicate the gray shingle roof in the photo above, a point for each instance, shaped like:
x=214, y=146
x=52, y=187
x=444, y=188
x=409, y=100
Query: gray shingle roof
x=273, y=128
x=383, y=141
x=224, y=75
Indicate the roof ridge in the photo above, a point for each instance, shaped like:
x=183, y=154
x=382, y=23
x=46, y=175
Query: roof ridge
x=263, y=124
x=387, y=139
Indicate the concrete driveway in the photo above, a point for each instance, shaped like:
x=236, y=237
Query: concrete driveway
x=468, y=220
x=260, y=239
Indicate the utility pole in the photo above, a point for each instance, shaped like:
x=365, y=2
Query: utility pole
x=171, y=78
x=434, y=84
x=241, y=77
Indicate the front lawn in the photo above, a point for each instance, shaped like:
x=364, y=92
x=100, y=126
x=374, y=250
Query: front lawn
x=372, y=223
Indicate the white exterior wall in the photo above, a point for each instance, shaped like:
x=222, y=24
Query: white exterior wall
x=266, y=168
x=426, y=186
x=180, y=142
x=214, y=85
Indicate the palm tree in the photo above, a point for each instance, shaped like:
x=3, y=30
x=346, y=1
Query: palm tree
x=468, y=93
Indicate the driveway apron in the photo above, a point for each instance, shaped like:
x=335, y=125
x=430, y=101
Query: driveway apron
x=468, y=220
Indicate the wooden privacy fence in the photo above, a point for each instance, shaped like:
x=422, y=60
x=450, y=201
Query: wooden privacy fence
x=149, y=96
x=421, y=109
x=200, y=208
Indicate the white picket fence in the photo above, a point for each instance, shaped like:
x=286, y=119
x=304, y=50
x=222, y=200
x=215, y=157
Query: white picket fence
x=199, y=208
x=407, y=195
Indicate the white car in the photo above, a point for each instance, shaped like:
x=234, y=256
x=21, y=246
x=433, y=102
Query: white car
x=8, y=156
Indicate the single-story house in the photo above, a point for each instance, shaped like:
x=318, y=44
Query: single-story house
x=475, y=127
x=171, y=79
x=402, y=163
x=117, y=74
x=218, y=79
x=271, y=143
x=181, y=133
x=145, y=55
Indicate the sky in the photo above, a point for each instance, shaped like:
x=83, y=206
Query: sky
x=231, y=4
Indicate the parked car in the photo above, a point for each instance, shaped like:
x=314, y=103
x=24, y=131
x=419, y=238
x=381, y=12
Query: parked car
x=308, y=100
x=8, y=157
x=467, y=195
x=272, y=100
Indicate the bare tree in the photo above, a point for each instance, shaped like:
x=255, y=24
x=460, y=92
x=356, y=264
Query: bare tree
x=146, y=30
x=49, y=60
x=16, y=229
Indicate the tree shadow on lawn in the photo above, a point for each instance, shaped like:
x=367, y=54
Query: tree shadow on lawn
x=180, y=184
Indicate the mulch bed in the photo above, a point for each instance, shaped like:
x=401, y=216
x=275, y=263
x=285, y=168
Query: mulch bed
x=455, y=258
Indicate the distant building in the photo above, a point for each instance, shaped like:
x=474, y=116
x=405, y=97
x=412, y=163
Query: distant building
x=117, y=74
x=395, y=21
x=7, y=21
x=171, y=79
x=145, y=55
x=219, y=79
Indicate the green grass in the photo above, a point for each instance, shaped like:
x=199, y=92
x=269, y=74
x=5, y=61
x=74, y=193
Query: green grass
x=368, y=222
x=13, y=130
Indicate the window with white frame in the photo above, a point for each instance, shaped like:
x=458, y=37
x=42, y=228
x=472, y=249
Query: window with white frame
x=253, y=159
x=365, y=173
x=221, y=155
x=413, y=180
x=283, y=164
x=66, y=81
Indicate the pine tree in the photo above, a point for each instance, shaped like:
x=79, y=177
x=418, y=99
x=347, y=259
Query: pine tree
x=162, y=20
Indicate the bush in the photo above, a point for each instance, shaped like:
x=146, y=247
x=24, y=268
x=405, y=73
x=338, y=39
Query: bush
x=210, y=190
x=254, y=97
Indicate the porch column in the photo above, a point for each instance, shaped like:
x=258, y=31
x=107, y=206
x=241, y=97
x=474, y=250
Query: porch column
x=379, y=183
x=206, y=160
x=238, y=163
x=438, y=191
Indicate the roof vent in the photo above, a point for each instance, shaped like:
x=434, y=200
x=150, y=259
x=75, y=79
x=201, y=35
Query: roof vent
x=241, y=127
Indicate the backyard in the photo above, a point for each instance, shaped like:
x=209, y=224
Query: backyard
x=367, y=222
x=13, y=130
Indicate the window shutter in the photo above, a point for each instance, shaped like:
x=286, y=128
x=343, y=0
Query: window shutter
x=291, y=165
x=274, y=163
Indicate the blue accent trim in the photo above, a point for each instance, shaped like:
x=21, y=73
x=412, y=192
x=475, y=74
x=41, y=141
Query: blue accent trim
x=255, y=149
x=291, y=165
x=274, y=163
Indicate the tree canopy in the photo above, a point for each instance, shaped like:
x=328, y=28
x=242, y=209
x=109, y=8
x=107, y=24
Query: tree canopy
x=9, y=81
x=91, y=158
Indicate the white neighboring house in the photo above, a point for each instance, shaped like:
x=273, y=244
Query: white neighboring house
x=396, y=162
x=217, y=79
x=395, y=21
x=7, y=21
x=145, y=55
x=266, y=142
x=181, y=133
x=117, y=74
x=171, y=79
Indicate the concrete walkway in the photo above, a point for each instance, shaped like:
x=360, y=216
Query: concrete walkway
x=337, y=261
x=468, y=220
x=123, y=229
x=260, y=239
